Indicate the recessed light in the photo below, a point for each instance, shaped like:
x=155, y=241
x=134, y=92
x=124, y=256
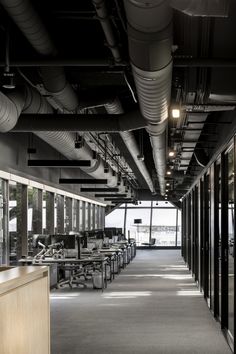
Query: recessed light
x=168, y=172
x=171, y=153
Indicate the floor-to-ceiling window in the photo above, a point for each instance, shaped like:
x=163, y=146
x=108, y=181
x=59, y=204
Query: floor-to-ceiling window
x=3, y=222
x=18, y=242
x=158, y=220
x=230, y=166
x=164, y=224
x=35, y=204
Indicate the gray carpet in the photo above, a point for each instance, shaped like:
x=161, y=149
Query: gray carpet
x=153, y=306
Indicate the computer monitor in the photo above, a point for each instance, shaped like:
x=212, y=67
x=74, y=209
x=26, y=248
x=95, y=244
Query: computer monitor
x=44, y=239
x=69, y=241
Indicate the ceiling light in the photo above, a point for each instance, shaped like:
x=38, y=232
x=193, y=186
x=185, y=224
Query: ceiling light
x=168, y=172
x=171, y=153
x=167, y=190
x=175, y=112
x=167, y=184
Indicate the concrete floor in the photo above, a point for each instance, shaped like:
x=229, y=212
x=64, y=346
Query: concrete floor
x=153, y=306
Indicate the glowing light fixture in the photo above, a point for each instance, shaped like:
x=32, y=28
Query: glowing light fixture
x=171, y=153
x=175, y=112
x=168, y=172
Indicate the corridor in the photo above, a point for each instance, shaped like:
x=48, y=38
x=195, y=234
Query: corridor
x=153, y=306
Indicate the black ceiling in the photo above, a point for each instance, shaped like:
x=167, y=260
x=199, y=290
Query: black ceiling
x=203, y=81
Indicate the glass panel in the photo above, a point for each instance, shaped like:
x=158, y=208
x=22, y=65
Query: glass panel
x=96, y=217
x=3, y=223
x=115, y=219
x=164, y=227
x=81, y=218
x=209, y=238
x=218, y=167
x=179, y=228
x=140, y=231
x=44, y=221
x=15, y=193
x=92, y=211
x=86, y=216
x=67, y=214
x=60, y=213
x=74, y=216
x=34, y=215
x=231, y=242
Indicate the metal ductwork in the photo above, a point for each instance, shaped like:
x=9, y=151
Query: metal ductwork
x=204, y=8
x=115, y=107
x=80, y=122
x=28, y=21
x=150, y=41
x=30, y=101
x=102, y=14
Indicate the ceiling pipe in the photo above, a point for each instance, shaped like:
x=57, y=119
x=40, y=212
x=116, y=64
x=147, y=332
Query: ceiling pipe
x=79, y=122
x=30, y=24
x=150, y=41
x=115, y=107
x=101, y=10
x=30, y=101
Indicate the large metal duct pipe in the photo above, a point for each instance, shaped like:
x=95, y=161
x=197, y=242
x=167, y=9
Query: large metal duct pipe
x=150, y=40
x=115, y=107
x=28, y=21
x=30, y=101
x=101, y=9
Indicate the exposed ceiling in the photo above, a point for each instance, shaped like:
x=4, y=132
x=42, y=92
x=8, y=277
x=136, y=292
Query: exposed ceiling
x=87, y=58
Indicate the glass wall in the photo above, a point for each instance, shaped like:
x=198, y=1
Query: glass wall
x=3, y=222
x=35, y=205
x=230, y=165
x=26, y=210
x=86, y=218
x=164, y=226
x=115, y=219
x=138, y=224
x=17, y=222
x=215, y=211
x=148, y=220
x=67, y=214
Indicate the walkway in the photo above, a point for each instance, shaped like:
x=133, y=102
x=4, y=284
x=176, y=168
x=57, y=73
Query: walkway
x=153, y=306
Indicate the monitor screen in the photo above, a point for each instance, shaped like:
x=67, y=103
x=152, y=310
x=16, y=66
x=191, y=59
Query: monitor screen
x=69, y=241
x=44, y=239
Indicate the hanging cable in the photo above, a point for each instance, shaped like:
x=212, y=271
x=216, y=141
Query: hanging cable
x=130, y=88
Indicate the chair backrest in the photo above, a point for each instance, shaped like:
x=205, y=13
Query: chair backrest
x=153, y=241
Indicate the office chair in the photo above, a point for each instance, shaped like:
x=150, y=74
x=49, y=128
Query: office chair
x=151, y=243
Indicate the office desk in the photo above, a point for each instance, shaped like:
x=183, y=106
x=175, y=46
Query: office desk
x=113, y=258
x=62, y=262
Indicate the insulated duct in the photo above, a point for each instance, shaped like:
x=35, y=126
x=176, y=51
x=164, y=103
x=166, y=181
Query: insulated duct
x=150, y=41
x=130, y=142
x=100, y=7
x=30, y=101
x=28, y=21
